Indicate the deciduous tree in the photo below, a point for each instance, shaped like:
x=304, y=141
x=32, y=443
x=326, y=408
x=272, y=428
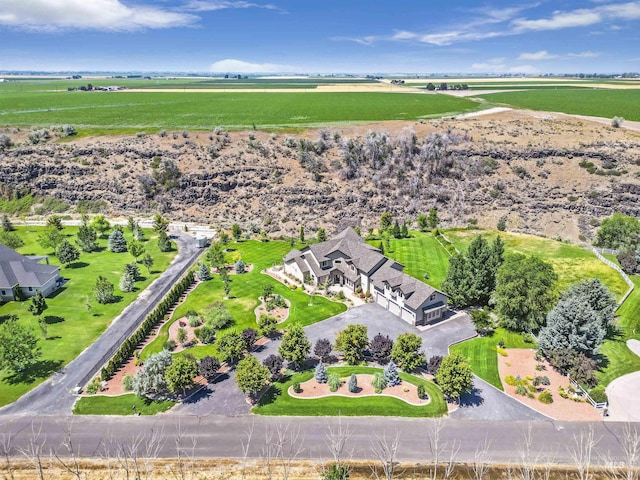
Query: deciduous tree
x=136, y=249
x=295, y=347
x=103, y=290
x=150, y=379
x=454, y=376
x=251, y=377
x=208, y=367
x=86, y=239
x=352, y=342
x=19, y=347
x=230, y=346
x=380, y=348
x=406, y=352
x=180, y=374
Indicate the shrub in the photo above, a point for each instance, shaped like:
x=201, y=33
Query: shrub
x=336, y=471
x=521, y=390
x=434, y=364
x=422, y=394
x=391, y=374
x=274, y=364
x=562, y=392
x=510, y=380
x=502, y=352
x=598, y=394
x=353, y=384
x=206, y=334
x=320, y=373
x=194, y=321
x=296, y=387
x=616, y=122
x=127, y=383
x=334, y=382
x=93, y=387
x=208, y=367
x=545, y=397
x=182, y=335
x=543, y=380
x=169, y=345
x=267, y=324
x=378, y=382
x=532, y=389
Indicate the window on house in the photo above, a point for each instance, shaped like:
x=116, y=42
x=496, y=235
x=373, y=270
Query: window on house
x=432, y=297
x=3, y=292
x=30, y=289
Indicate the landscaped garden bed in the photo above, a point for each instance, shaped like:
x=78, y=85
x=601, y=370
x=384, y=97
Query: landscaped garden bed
x=521, y=368
x=277, y=400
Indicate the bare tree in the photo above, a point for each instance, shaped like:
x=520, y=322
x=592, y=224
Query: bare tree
x=69, y=462
x=627, y=467
x=6, y=450
x=106, y=449
x=268, y=452
x=185, y=454
x=245, y=450
x=34, y=448
x=481, y=461
x=289, y=447
x=386, y=452
x=336, y=439
x=528, y=459
x=582, y=452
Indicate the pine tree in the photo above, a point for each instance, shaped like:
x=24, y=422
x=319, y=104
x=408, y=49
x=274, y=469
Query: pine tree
x=353, y=383
x=126, y=283
x=204, y=273
x=164, y=244
x=391, y=374
x=320, y=373
x=87, y=239
x=7, y=226
x=117, y=243
x=404, y=231
x=67, y=253
x=301, y=233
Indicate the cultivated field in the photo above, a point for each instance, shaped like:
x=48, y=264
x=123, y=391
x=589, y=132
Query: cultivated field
x=198, y=110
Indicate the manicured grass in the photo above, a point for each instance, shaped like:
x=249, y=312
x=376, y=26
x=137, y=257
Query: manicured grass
x=277, y=401
x=71, y=326
x=120, y=405
x=179, y=110
x=420, y=254
x=600, y=103
x=245, y=290
x=571, y=263
x=483, y=354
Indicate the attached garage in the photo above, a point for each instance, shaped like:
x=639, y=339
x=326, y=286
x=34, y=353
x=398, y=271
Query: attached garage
x=394, y=308
x=381, y=300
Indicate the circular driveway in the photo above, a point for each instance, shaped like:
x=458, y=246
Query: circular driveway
x=624, y=392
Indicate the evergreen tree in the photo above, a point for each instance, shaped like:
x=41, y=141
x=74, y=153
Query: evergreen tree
x=353, y=383
x=236, y=231
x=117, y=243
x=385, y=220
x=204, y=273
x=133, y=271
x=404, y=231
x=395, y=231
x=54, y=221
x=37, y=305
x=7, y=226
x=160, y=224
x=320, y=373
x=164, y=243
x=423, y=225
x=11, y=240
x=432, y=219
x=301, y=236
x=126, y=283
x=147, y=261
x=67, y=253
x=391, y=374
x=86, y=239
x=322, y=235
x=240, y=267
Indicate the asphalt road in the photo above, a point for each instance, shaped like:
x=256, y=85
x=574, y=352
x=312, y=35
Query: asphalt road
x=222, y=437
x=55, y=396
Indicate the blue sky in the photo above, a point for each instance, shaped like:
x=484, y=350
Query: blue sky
x=412, y=36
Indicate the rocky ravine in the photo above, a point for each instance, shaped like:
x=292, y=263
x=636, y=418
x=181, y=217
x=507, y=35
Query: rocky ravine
x=555, y=176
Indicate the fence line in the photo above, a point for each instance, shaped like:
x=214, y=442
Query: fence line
x=624, y=276
x=608, y=251
x=586, y=394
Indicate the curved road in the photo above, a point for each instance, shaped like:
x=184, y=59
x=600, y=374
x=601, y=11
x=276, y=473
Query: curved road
x=55, y=396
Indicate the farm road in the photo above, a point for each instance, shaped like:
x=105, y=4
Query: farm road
x=55, y=396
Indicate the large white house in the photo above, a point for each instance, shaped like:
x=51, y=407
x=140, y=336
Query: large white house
x=347, y=260
x=26, y=274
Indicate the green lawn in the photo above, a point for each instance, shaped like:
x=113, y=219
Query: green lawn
x=196, y=110
x=71, y=326
x=278, y=402
x=483, y=354
x=420, y=254
x=596, y=102
x=120, y=405
x=245, y=290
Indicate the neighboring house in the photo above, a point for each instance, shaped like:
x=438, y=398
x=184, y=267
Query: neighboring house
x=26, y=274
x=347, y=260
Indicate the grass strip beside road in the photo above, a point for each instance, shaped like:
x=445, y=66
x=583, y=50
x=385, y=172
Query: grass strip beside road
x=277, y=401
x=120, y=405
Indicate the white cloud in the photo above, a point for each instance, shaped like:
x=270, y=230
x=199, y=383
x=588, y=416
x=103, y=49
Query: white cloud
x=231, y=65
x=52, y=15
x=584, y=55
x=212, y=5
x=559, y=20
x=536, y=56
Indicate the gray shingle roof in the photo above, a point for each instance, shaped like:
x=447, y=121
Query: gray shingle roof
x=16, y=269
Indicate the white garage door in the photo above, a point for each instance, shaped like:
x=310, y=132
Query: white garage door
x=408, y=316
x=394, y=308
x=381, y=300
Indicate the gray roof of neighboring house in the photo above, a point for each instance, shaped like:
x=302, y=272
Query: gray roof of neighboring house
x=292, y=255
x=16, y=269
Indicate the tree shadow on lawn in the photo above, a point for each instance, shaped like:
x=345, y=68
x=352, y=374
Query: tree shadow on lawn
x=53, y=319
x=41, y=369
x=76, y=265
x=472, y=399
x=270, y=396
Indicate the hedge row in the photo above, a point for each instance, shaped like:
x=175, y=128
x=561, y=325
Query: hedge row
x=156, y=316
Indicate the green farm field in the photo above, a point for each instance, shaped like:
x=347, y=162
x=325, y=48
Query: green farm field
x=593, y=102
x=205, y=110
x=71, y=325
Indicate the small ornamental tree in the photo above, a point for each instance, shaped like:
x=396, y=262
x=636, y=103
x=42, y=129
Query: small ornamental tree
x=19, y=347
x=136, y=249
x=322, y=235
x=117, y=243
x=251, y=377
x=11, y=240
x=295, y=347
x=267, y=324
x=103, y=290
x=353, y=383
x=86, y=239
x=434, y=364
x=37, y=305
x=391, y=374
x=352, y=341
x=274, y=363
x=230, y=346
x=54, y=221
x=240, y=267
x=320, y=373
x=150, y=379
x=147, y=261
x=322, y=349
x=50, y=238
x=249, y=336
x=236, y=231
x=126, y=283
x=406, y=352
x=380, y=348
x=208, y=367
x=160, y=224
x=164, y=243
x=7, y=226
x=378, y=382
x=180, y=374
x=454, y=376
x=100, y=224
x=204, y=273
